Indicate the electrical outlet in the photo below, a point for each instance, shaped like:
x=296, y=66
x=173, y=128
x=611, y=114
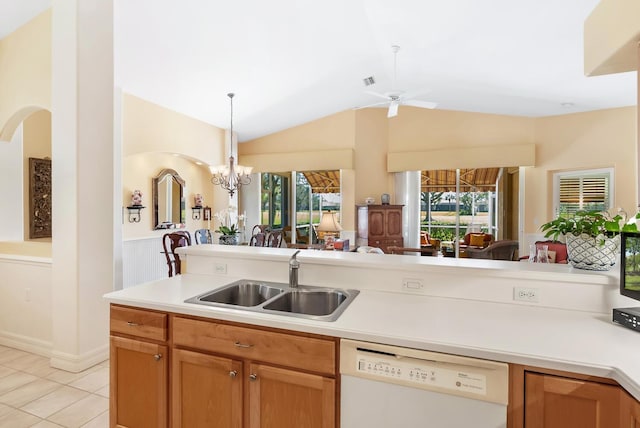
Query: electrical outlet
x=27, y=294
x=412, y=284
x=220, y=268
x=525, y=294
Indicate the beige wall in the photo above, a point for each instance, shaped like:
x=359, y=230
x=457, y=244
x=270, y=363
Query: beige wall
x=25, y=73
x=420, y=129
x=138, y=172
x=25, y=85
x=573, y=141
x=148, y=127
x=332, y=132
x=598, y=139
x=611, y=35
x=151, y=135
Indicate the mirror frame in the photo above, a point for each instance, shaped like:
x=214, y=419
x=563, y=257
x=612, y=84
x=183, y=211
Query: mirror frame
x=181, y=182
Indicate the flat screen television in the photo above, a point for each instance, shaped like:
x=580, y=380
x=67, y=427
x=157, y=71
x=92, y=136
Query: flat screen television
x=630, y=265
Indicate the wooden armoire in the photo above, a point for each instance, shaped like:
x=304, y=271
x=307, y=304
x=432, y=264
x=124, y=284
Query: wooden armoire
x=379, y=226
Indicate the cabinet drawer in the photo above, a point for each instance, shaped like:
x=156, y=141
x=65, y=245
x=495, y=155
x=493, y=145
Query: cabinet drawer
x=301, y=352
x=386, y=242
x=138, y=322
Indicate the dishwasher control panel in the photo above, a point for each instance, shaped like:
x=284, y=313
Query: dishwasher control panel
x=420, y=372
x=457, y=375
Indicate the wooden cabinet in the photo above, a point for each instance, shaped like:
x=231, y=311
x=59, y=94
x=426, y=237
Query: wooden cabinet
x=280, y=397
x=138, y=369
x=630, y=417
x=221, y=374
x=380, y=226
x=542, y=398
x=206, y=390
x=290, y=379
x=559, y=402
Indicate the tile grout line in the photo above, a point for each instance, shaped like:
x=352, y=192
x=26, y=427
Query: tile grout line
x=75, y=377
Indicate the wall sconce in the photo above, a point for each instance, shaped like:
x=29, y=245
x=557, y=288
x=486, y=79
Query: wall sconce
x=196, y=213
x=135, y=207
x=134, y=213
x=196, y=209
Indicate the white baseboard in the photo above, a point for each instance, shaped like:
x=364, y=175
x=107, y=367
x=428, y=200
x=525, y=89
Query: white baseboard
x=77, y=363
x=25, y=343
x=59, y=360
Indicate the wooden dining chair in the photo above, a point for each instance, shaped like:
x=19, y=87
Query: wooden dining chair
x=171, y=241
x=260, y=228
x=274, y=239
x=257, y=240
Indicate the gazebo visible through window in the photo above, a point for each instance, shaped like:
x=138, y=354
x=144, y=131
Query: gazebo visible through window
x=315, y=192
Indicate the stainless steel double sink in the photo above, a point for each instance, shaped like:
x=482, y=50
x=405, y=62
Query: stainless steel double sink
x=318, y=303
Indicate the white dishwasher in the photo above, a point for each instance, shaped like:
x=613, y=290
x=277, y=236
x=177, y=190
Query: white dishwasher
x=388, y=386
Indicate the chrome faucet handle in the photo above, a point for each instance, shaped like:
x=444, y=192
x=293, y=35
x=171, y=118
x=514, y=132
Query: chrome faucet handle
x=293, y=262
x=294, y=265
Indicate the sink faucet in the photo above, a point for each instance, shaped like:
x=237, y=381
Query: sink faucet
x=294, y=265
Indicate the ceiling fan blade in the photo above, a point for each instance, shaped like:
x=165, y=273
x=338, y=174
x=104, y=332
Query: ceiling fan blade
x=372, y=105
x=421, y=104
x=393, y=109
x=377, y=94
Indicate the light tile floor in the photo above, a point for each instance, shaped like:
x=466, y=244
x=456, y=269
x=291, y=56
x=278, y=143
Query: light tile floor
x=33, y=394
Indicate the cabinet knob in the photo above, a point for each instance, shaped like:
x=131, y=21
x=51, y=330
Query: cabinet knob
x=157, y=357
x=253, y=376
x=242, y=345
x=233, y=373
x=132, y=324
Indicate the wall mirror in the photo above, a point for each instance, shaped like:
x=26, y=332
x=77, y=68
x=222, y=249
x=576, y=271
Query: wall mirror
x=168, y=200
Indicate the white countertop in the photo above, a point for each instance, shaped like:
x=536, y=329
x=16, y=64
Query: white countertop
x=576, y=341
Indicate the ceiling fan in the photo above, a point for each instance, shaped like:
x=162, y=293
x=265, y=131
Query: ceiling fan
x=395, y=98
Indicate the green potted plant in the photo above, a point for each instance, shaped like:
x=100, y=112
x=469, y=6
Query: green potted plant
x=592, y=237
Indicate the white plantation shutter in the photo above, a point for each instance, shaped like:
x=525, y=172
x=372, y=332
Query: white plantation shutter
x=589, y=191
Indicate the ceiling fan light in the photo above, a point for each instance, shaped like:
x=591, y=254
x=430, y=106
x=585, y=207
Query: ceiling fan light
x=393, y=109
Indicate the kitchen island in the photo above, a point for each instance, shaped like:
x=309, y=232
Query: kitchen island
x=461, y=307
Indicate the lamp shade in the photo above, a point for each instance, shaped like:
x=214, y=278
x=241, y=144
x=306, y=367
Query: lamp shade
x=329, y=222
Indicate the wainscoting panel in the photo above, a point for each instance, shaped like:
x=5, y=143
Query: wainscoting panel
x=143, y=260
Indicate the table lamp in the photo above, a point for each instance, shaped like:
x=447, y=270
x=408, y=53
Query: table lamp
x=329, y=227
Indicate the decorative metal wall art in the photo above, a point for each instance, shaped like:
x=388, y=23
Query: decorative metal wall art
x=39, y=198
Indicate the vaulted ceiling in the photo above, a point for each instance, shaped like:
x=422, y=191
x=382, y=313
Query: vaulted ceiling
x=292, y=61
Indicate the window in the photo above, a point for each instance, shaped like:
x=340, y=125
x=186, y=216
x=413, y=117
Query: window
x=589, y=190
x=275, y=200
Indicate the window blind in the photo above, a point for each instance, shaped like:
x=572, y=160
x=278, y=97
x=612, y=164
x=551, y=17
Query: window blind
x=589, y=192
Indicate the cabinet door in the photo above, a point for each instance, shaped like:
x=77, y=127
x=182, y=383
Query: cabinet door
x=377, y=224
x=630, y=412
x=394, y=223
x=280, y=398
x=206, y=390
x=557, y=402
x=138, y=384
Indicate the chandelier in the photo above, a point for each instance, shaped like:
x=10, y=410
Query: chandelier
x=231, y=177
